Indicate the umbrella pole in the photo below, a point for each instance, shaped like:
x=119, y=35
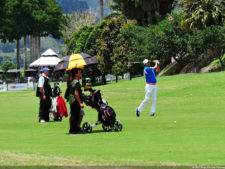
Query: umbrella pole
x=83, y=81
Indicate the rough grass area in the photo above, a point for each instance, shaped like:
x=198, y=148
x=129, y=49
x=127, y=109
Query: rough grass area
x=188, y=128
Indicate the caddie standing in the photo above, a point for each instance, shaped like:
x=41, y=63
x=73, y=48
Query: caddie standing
x=150, y=87
x=44, y=91
x=76, y=102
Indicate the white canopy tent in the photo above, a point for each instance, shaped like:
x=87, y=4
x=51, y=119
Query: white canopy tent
x=49, y=52
x=48, y=58
x=45, y=61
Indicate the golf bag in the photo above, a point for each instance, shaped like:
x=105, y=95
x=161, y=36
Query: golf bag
x=58, y=108
x=106, y=114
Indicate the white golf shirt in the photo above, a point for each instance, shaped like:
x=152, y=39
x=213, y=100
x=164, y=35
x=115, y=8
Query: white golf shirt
x=41, y=80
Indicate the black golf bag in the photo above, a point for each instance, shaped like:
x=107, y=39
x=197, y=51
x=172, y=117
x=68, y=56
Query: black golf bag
x=106, y=114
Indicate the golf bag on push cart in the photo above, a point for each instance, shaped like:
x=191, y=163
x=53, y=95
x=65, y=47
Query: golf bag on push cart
x=58, y=106
x=106, y=114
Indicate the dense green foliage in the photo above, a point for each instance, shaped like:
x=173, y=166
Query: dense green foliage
x=207, y=44
x=106, y=42
x=77, y=43
x=117, y=43
x=198, y=14
x=199, y=48
x=7, y=65
x=167, y=40
x=137, y=40
x=144, y=11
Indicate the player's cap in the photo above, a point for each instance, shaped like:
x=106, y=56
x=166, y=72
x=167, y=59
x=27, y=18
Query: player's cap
x=145, y=61
x=45, y=69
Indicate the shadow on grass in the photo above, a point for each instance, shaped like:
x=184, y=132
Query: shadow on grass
x=93, y=132
x=98, y=131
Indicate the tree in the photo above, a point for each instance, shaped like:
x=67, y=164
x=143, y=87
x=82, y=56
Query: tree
x=34, y=17
x=144, y=11
x=12, y=29
x=80, y=43
x=101, y=6
x=7, y=65
x=200, y=13
x=130, y=48
x=2, y=17
x=107, y=42
x=207, y=45
x=137, y=42
x=47, y=19
x=77, y=43
x=101, y=9
x=166, y=40
x=91, y=46
x=73, y=22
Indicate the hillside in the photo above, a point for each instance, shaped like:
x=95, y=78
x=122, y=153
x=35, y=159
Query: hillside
x=69, y=6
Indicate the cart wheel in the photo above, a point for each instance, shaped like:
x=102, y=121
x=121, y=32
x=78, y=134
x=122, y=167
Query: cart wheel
x=106, y=128
x=87, y=127
x=118, y=126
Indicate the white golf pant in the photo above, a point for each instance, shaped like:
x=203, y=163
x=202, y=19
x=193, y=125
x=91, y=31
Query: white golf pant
x=150, y=90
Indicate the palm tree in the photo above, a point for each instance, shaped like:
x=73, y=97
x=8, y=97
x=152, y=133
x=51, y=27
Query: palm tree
x=144, y=11
x=18, y=54
x=101, y=9
x=101, y=5
x=200, y=13
x=25, y=52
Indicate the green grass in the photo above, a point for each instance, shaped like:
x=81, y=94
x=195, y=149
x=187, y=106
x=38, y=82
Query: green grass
x=194, y=101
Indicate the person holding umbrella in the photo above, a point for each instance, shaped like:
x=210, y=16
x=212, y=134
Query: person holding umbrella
x=75, y=62
x=76, y=102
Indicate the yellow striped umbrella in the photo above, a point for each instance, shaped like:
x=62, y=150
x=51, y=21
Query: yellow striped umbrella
x=75, y=61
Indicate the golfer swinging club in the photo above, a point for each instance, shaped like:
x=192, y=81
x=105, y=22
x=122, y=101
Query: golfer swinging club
x=150, y=87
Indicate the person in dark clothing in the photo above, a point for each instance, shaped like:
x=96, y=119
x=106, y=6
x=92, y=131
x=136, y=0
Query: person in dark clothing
x=76, y=102
x=45, y=96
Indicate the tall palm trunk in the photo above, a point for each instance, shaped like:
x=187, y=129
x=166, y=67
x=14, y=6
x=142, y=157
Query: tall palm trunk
x=31, y=49
x=101, y=9
x=25, y=52
x=18, y=54
x=39, y=46
x=35, y=47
